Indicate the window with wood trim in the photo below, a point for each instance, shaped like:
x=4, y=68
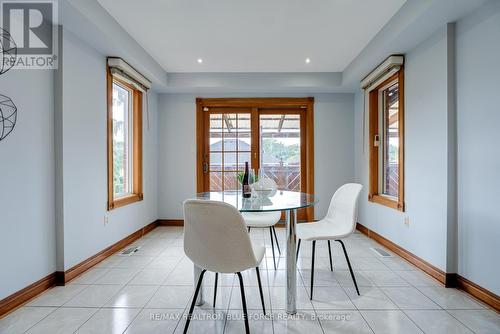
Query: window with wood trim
x=386, y=104
x=124, y=142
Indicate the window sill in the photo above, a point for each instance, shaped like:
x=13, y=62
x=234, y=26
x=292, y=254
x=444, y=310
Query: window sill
x=382, y=200
x=125, y=200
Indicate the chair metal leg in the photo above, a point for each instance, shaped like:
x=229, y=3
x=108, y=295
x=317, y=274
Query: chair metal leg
x=275, y=237
x=312, y=267
x=249, y=229
x=190, y=314
x=330, y=253
x=350, y=268
x=260, y=290
x=272, y=245
x=244, y=302
x=215, y=287
x=298, y=248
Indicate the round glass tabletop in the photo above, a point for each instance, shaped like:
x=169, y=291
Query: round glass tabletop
x=280, y=201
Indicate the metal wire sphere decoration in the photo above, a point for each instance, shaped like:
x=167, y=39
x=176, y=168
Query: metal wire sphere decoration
x=8, y=116
x=8, y=51
x=8, y=110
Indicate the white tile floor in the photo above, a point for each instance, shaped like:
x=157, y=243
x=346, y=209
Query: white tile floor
x=149, y=292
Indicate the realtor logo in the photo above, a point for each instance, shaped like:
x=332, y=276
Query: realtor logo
x=33, y=27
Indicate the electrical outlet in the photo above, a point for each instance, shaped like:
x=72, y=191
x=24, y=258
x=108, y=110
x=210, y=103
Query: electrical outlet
x=106, y=220
x=407, y=220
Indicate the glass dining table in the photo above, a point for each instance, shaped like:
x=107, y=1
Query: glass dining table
x=288, y=202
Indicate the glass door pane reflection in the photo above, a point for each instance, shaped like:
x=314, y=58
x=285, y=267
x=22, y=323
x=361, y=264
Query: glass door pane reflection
x=280, y=149
x=229, y=148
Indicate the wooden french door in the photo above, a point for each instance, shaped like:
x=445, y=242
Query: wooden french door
x=274, y=135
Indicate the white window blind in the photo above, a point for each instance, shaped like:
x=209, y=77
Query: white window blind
x=124, y=71
x=381, y=73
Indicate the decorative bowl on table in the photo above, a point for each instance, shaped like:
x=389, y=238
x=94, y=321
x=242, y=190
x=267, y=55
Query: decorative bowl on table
x=262, y=192
x=265, y=187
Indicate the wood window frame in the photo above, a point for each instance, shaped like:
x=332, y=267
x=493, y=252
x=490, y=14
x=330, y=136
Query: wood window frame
x=137, y=98
x=373, y=194
x=271, y=105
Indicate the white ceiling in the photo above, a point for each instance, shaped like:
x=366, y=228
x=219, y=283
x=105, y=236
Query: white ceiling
x=255, y=35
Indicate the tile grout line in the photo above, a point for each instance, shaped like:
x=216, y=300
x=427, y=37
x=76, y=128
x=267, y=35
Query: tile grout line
x=88, y=286
x=166, y=278
x=36, y=323
x=460, y=321
x=399, y=308
x=102, y=307
x=140, y=311
x=417, y=288
x=394, y=270
x=312, y=304
x=231, y=297
x=228, y=305
x=359, y=311
x=56, y=308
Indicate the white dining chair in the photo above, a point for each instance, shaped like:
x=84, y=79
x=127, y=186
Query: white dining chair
x=339, y=223
x=216, y=239
x=264, y=220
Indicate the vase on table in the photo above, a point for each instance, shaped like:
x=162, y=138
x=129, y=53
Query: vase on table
x=264, y=186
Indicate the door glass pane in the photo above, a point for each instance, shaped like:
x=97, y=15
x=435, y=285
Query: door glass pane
x=230, y=181
x=121, y=144
x=215, y=161
x=244, y=132
x=215, y=181
x=215, y=132
x=391, y=140
x=280, y=149
x=229, y=132
x=242, y=158
x=215, y=152
x=229, y=148
x=230, y=162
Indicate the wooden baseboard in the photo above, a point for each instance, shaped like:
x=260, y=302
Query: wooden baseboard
x=22, y=296
x=449, y=280
x=68, y=275
x=363, y=229
x=433, y=271
x=170, y=222
x=148, y=228
x=478, y=292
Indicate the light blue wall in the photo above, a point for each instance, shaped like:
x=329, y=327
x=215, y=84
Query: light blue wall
x=85, y=158
x=427, y=105
x=333, y=151
x=478, y=106
x=425, y=157
x=31, y=169
x=45, y=193
x=27, y=228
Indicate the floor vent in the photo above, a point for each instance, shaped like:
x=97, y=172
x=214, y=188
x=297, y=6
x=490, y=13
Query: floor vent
x=380, y=252
x=129, y=251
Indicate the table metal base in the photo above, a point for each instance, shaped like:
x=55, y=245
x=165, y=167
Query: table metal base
x=291, y=262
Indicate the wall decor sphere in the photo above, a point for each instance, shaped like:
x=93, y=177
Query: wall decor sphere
x=8, y=116
x=8, y=51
